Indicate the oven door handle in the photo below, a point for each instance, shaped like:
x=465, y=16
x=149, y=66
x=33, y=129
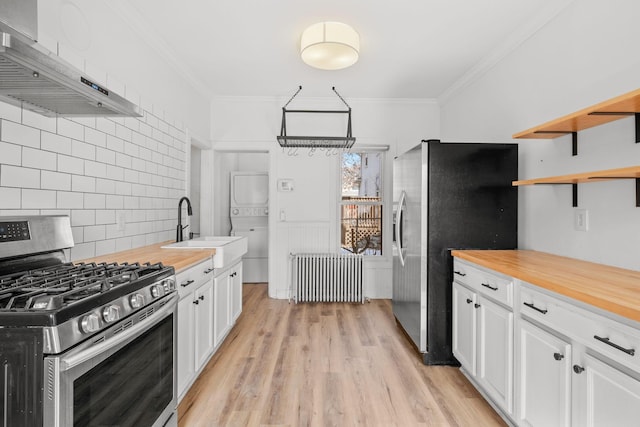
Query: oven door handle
x=74, y=359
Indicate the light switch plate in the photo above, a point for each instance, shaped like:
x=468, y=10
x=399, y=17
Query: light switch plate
x=581, y=220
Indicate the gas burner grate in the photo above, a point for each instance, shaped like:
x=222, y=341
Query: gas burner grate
x=64, y=284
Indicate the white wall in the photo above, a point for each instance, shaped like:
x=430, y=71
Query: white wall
x=311, y=210
x=119, y=179
x=584, y=56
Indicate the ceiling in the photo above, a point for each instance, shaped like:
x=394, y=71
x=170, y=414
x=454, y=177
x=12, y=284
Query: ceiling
x=408, y=48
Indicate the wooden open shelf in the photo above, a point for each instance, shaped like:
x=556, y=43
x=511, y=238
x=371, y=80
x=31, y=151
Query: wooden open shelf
x=632, y=172
x=613, y=109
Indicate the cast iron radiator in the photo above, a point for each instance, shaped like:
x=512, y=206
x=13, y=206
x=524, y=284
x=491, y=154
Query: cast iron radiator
x=327, y=277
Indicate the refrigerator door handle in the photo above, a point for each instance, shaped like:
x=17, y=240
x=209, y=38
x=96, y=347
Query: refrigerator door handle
x=399, y=228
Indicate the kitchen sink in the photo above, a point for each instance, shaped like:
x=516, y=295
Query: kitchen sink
x=228, y=248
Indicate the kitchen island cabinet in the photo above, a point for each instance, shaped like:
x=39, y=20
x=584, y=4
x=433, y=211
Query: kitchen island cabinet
x=576, y=336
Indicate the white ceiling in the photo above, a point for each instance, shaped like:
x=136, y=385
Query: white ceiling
x=409, y=48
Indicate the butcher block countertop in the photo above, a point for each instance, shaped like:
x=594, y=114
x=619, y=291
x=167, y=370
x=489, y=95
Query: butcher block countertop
x=613, y=289
x=180, y=259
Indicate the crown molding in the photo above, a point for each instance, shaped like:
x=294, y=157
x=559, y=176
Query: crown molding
x=510, y=44
x=132, y=17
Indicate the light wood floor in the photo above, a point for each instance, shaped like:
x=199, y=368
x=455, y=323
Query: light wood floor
x=328, y=364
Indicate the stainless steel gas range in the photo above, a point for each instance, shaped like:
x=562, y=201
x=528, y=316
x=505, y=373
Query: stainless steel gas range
x=82, y=344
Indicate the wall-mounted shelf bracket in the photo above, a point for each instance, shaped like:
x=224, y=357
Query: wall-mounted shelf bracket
x=574, y=138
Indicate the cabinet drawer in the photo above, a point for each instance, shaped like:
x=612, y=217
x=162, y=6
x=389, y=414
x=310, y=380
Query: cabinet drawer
x=612, y=339
x=188, y=280
x=489, y=283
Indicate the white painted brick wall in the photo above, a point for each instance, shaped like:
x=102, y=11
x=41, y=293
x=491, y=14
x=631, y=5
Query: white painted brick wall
x=96, y=170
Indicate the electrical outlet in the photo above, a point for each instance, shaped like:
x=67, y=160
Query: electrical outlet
x=581, y=220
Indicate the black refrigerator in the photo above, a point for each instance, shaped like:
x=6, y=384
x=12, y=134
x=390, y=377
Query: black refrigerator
x=446, y=196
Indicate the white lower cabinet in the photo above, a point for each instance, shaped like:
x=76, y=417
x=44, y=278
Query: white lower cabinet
x=565, y=364
x=545, y=381
x=194, y=322
x=495, y=356
x=227, y=289
x=483, y=337
x=605, y=396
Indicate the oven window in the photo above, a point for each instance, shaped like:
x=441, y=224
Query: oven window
x=130, y=388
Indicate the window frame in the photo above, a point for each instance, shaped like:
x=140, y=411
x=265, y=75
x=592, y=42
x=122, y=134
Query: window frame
x=381, y=203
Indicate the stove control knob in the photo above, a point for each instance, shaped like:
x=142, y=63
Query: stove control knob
x=136, y=300
x=110, y=313
x=90, y=323
x=155, y=291
x=169, y=285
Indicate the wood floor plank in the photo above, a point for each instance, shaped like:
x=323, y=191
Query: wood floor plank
x=326, y=364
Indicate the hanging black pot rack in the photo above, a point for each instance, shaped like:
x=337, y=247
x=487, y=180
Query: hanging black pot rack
x=341, y=142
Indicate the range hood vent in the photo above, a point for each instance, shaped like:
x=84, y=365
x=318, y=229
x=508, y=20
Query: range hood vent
x=38, y=80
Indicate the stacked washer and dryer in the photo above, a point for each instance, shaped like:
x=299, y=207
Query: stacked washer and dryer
x=249, y=213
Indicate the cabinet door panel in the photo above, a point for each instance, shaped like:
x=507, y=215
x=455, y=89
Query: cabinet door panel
x=545, y=363
x=495, y=359
x=222, y=313
x=611, y=398
x=464, y=327
x=204, y=323
x=185, y=353
x=236, y=292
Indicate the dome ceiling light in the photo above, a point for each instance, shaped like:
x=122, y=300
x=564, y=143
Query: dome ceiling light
x=330, y=46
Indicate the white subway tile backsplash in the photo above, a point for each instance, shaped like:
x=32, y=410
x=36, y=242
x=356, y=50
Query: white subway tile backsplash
x=55, y=180
x=29, y=118
x=123, y=160
x=70, y=129
x=83, y=184
x=94, y=232
x=95, y=137
x=10, y=198
x=38, y=199
x=106, y=125
x=83, y=217
x=11, y=154
x=131, y=149
x=39, y=159
x=115, y=144
x=105, y=156
x=115, y=172
x=19, y=134
x=83, y=251
x=123, y=132
x=123, y=244
x=94, y=201
x=115, y=202
x=105, y=186
x=15, y=176
x=123, y=188
x=132, y=176
x=70, y=164
x=131, y=202
x=95, y=169
x=69, y=200
x=78, y=234
x=104, y=247
x=10, y=112
x=105, y=216
x=56, y=143
x=83, y=150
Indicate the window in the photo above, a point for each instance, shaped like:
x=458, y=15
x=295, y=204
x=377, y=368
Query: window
x=361, y=203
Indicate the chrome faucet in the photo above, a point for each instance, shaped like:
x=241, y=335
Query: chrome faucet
x=179, y=237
